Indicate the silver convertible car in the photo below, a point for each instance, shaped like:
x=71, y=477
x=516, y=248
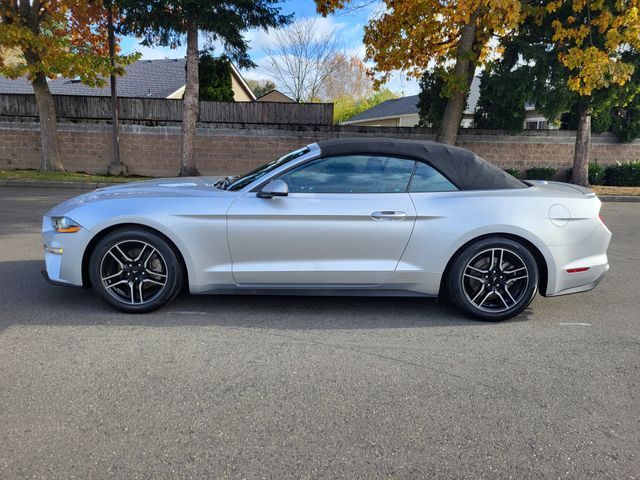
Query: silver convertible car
x=338, y=217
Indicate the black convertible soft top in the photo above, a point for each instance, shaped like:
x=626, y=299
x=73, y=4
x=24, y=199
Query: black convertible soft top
x=462, y=167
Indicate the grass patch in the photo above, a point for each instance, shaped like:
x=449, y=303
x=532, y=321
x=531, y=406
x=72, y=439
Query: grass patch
x=65, y=176
x=626, y=191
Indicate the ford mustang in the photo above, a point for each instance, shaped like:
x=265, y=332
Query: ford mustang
x=337, y=217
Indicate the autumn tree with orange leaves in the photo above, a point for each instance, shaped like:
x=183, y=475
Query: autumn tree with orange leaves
x=579, y=56
x=55, y=38
x=594, y=41
x=414, y=35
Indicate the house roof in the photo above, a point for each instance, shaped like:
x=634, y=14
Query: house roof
x=144, y=78
x=409, y=105
x=275, y=96
x=389, y=108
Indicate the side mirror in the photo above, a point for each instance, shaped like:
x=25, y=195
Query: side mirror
x=275, y=188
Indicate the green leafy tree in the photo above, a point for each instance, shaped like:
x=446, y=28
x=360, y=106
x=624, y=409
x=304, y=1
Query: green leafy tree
x=346, y=107
x=432, y=99
x=580, y=56
x=503, y=96
x=261, y=87
x=172, y=22
x=214, y=75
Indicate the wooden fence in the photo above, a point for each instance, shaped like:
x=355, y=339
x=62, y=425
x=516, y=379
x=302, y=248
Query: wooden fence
x=78, y=108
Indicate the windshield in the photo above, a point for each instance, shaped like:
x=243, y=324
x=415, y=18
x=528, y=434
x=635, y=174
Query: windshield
x=238, y=183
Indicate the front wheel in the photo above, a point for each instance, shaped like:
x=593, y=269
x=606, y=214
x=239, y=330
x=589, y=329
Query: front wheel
x=494, y=279
x=135, y=270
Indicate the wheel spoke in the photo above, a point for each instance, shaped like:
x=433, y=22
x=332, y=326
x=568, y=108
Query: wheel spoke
x=140, y=291
x=511, y=280
x=141, y=252
x=133, y=300
x=473, y=300
x=151, y=272
x=120, y=264
x=475, y=278
x=477, y=269
x=509, y=272
x=485, y=299
x=144, y=264
x=148, y=280
x=116, y=284
x=117, y=274
x=502, y=298
x=506, y=289
x=124, y=255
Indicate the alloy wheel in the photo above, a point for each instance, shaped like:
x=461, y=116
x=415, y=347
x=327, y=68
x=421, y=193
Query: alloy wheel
x=495, y=280
x=133, y=272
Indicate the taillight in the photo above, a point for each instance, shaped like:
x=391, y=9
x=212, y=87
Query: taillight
x=577, y=270
x=601, y=219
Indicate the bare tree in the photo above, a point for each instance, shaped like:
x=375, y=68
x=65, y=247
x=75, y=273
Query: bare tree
x=301, y=60
x=349, y=79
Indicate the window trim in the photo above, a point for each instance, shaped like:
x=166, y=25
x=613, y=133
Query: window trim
x=369, y=154
x=457, y=189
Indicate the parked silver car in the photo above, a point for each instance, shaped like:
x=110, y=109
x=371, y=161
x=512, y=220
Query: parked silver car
x=338, y=217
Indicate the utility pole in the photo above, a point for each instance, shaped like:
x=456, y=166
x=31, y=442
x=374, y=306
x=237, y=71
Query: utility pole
x=115, y=167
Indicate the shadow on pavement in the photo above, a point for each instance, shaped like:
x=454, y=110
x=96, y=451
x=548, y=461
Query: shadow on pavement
x=30, y=300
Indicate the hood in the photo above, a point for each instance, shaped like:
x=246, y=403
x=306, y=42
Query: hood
x=156, y=188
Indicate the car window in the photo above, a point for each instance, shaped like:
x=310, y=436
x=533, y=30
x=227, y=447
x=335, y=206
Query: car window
x=240, y=182
x=351, y=174
x=428, y=179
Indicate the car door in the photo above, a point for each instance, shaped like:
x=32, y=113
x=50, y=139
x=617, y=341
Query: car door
x=345, y=222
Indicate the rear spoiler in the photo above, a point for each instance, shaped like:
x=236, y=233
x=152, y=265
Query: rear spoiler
x=583, y=190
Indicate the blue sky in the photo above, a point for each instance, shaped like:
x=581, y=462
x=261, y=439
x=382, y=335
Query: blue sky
x=348, y=27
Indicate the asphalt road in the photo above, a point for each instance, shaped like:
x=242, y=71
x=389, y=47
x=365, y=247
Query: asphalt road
x=292, y=387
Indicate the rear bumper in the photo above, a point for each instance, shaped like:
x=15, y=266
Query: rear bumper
x=567, y=276
x=583, y=288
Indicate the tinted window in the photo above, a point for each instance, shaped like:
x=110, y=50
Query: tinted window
x=351, y=174
x=241, y=182
x=428, y=179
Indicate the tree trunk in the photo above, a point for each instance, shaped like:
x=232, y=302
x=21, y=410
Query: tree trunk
x=580, y=174
x=464, y=71
x=51, y=158
x=190, y=103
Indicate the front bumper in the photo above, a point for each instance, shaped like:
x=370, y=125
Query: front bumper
x=56, y=282
x=64, y=268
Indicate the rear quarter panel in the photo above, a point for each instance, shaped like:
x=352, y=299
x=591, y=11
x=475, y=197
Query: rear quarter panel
x=448, y=220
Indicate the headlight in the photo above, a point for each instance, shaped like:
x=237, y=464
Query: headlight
x=64, y=225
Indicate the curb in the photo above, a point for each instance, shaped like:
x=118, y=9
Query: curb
x=55, y=184
x=94, y=185
x=620, y=198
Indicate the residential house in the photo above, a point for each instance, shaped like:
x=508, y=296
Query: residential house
x=275, y=96
x=144, y=78
x=403, y=112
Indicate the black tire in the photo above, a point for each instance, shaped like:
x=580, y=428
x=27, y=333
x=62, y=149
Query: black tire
x=147, y=282
x=496, y=293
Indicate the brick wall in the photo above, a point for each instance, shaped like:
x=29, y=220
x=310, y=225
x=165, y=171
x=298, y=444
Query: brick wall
x=231, y=149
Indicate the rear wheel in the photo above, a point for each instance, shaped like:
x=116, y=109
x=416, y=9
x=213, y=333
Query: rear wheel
x=135, y=270
x=494, y=279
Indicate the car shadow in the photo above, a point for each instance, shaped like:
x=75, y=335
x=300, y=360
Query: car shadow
x=30, y=300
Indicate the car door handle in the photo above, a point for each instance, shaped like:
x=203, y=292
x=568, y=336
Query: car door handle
x=388, y=215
